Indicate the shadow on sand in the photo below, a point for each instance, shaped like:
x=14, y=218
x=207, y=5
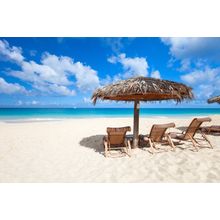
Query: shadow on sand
x=94, y=142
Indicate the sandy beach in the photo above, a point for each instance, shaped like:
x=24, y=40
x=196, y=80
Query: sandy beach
x=71, y=150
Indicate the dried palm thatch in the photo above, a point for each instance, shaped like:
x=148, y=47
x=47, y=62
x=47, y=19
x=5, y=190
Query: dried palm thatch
x=214, y=99
x=143, y=89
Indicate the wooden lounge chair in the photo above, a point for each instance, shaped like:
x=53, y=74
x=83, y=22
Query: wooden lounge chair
x=158, y=135
x=116, y=140
x=213, y=129
x=189, y=134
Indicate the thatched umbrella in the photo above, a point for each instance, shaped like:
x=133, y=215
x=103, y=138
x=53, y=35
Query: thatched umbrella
x=142, y=89
x=214, y=99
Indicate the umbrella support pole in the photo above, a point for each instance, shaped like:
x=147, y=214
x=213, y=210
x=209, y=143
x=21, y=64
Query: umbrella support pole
x=136, y=124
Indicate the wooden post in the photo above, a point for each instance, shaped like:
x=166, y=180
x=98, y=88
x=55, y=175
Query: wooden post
x=136, y=124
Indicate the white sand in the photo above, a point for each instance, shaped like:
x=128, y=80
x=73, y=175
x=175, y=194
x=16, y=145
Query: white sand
x=71, y=151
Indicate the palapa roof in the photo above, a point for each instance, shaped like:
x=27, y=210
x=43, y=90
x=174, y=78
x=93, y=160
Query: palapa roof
x=214, y=99
x=143, y=89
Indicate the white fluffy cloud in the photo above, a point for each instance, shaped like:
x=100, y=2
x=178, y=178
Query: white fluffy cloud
x=132, y=67
x=156, y=74
x=11, y=53
x=196, y=57
x=199, y=76
x=61, y=90
x=10, y=88
x=190, y=50
x=44, y=78
x=206, y=82
x=86, y=78
x=137, y=66
x=38, y=73
x=194, y=47
x=54, y=74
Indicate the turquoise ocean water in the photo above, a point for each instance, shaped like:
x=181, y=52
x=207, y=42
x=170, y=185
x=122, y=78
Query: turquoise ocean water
x=60, y=113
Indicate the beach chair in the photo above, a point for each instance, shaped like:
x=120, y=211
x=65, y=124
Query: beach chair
x=116, y=140
x=213, y=129
x=158, y=135
x=189, y=133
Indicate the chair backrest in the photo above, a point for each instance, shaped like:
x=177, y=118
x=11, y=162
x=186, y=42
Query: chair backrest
x=116, y=136
x=158, y=130
x=194, y=126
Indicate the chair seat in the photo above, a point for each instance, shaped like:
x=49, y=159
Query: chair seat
x=176, y=135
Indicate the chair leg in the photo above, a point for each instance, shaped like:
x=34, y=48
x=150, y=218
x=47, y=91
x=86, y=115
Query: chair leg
x=193, y=142
x=151, y=146
x=205, y=137
x=171, y=142
x=196, y=141
x=129, y=148
x=106, y=148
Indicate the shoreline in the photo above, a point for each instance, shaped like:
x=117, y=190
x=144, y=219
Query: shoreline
x=51, y=119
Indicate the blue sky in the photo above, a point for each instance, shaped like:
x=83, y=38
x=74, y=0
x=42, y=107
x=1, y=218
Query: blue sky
x=63, y=72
